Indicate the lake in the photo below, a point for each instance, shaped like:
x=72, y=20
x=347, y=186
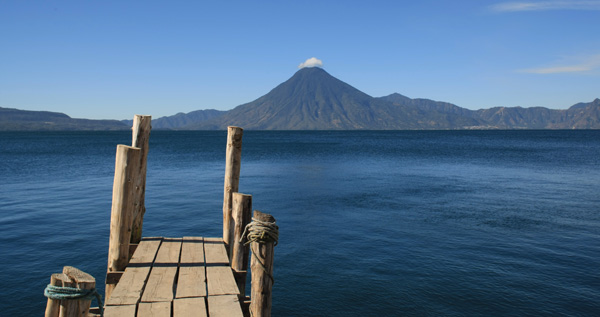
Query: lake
x=372, y=223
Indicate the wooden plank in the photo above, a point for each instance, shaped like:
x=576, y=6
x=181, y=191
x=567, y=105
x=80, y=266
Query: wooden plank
x=190, y=307
x=130, y=288
x=162, y=278
x=157, y=309
x=220, y=281
x=192, y=275
x=192, y=250
x=146, y=250
x=224, y=306
x=119, y=311
x=214, y=251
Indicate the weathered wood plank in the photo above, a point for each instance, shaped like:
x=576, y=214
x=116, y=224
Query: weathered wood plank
x=129, y=290
x=214, y=251
x=146, y=250
x=190, y=307
x=220, y=281
x=162, y=277
x=224, y=306
x=192, y=250
x=119, y=311
x=156, y=309
x=192, y=275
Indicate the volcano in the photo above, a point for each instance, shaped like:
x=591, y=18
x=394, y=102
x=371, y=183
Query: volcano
x=312, y=99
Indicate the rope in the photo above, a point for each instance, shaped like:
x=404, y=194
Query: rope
x=261, y=232
x=66, y=293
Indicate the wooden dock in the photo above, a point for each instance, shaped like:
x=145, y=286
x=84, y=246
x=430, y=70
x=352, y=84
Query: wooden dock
x=189, y=276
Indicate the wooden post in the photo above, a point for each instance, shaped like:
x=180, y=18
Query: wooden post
x=81, y=280
x=233, y=159
x=140, y=139
x=238, y=255
x=126, y=171
x=71, y=277
x=262, y=273
x=53, y=305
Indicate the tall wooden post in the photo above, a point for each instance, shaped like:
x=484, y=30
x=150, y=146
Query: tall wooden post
x=233, y=160
x=238, y=255
x=140, y=139
x=262, y=272
x=121, y=217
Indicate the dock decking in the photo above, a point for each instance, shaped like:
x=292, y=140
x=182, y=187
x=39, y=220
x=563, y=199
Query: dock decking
x=187, y=276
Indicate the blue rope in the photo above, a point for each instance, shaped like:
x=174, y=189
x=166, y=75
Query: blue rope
x=63, y=292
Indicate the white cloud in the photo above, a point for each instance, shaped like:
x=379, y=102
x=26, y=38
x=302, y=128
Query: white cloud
x=584, y=65
x=545, y=5
x=311, y=62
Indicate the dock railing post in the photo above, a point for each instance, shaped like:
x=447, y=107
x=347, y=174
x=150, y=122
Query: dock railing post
x=233, y=159
x=140, y=139
x=238, y=256
x=126, y=171
x=262, y=267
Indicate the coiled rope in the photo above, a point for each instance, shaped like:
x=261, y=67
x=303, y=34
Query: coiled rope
x=65, y=293
x=261, y=232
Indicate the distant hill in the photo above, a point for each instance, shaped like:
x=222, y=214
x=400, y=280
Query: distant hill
x=182, y=120
x=21, y=120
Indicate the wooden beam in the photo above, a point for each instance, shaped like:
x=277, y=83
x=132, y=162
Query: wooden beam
x=126, y=170
x=140, y=139
x=233, y=160
x=241, y=214
x=262, y=272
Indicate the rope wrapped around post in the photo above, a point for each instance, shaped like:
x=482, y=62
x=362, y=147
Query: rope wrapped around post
x=264, y=232
x=261, y=232
x=72, y=293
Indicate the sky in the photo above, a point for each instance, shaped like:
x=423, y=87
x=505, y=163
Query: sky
x=114, y=59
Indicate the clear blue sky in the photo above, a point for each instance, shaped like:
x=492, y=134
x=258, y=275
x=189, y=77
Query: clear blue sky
x=114, y=59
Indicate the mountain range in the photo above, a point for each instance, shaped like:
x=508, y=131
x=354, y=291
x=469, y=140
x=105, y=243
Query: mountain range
x=312, y=99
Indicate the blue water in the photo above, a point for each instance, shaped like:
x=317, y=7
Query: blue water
x=387, y=223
